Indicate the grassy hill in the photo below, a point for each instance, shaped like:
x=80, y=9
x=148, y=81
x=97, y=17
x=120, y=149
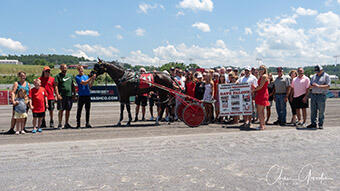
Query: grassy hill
x=10, y=69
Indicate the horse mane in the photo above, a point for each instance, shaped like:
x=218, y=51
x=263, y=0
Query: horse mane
x=116, y=64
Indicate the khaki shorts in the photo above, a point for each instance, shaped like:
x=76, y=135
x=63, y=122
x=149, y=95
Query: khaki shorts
x=20, y=115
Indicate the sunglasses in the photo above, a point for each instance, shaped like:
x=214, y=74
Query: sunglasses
x=48, y=71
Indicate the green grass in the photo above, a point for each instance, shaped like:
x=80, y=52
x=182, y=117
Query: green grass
x=8, y=73
x=31, y=69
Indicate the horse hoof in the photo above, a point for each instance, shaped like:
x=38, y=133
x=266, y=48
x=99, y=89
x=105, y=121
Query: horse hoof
x=128, y=124
x=119, y=124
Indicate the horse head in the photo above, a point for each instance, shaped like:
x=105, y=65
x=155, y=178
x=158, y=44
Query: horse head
x=99, y=68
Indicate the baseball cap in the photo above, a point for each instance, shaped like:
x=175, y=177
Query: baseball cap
x=172, y=68
x=229, y=68
x=318, y=68
x=199, y=75
x=47, y=68
x=142, y=70
x=247, y=68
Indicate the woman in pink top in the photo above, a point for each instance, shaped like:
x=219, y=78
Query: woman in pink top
x=262, y=95
x=300, y=86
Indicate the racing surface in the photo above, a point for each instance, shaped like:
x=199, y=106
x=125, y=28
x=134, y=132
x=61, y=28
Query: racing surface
x=170, y=157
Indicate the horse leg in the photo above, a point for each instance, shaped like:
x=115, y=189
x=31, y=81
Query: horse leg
x=121, y=114
x=160, y=113
x=128, y=108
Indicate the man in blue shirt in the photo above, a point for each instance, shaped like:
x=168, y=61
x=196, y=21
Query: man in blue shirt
x=84, y=85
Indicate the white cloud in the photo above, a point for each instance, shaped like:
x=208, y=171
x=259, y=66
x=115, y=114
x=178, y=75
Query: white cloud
x=202, y=26
x=143, y=7
x=329, y=19
x=282, y=43
x=118, y=27
x=119, y=37
x=203, y=5
x=248, y=31
x=139, y=58
x=180, y=13
x=12, y=44
x=80, y=54
x=98, y=50
x=87, y=33
x=303, y=11
x=339, y=1
x=220, y=44
x=140, y=32
x=217, y=55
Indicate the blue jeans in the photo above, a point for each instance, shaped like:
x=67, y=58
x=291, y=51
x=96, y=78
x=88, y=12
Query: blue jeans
x=318, y=102
x=281, y=107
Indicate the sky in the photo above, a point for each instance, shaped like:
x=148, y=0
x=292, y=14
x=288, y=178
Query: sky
x=153, y=32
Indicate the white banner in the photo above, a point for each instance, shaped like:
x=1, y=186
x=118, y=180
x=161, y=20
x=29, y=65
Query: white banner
x=235, y=99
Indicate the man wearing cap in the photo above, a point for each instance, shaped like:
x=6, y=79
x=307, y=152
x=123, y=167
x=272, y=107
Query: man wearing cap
x=229, y=69
x=141, y=100
x=320, y=84
x=47, y=82
x=281, y=87
x=252, y=81
x=199, y=87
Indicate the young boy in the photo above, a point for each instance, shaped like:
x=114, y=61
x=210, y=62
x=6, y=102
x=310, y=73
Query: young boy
x=38, y=97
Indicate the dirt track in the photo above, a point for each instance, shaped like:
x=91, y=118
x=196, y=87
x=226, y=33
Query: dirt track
x=170, y=157
x=104, y=116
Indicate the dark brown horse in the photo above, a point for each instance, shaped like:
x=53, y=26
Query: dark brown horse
x=128, y=85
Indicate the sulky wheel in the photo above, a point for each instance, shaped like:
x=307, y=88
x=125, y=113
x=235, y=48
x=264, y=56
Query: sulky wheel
x=193, y=115
x=179, y=110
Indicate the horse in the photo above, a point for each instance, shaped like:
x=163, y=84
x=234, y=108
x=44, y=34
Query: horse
x=128, y=84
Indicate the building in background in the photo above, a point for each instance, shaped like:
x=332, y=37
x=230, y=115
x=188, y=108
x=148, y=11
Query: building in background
x=14, y=62
x=88, y=64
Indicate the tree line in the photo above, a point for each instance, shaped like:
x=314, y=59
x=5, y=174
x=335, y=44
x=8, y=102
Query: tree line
x=54, y=59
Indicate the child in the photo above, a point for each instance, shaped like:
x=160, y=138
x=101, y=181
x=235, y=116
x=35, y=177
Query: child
x=20, y=115
x=38, y=96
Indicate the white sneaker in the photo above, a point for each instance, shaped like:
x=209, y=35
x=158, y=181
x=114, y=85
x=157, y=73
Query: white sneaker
x=23, y=132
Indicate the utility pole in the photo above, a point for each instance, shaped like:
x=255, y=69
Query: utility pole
x=259, y=61
x=336, y=57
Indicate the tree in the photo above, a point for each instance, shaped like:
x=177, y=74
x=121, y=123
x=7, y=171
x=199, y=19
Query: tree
x=169, y=65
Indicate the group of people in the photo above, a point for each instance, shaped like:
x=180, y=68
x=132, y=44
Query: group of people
x=46, y=92
x=200, y=84
x=295, y=88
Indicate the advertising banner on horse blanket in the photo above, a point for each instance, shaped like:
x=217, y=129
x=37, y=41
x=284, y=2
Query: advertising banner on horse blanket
x=104, y=93
x=235, y=99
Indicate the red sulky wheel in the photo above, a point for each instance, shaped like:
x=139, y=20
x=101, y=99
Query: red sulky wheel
x=179, y=110
x=193, y=115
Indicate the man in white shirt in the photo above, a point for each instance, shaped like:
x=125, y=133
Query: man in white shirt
x=252, y=81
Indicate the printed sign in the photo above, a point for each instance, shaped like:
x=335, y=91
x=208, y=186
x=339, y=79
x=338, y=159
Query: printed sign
x=104, y=93
x=235, y=99
x=4, y=97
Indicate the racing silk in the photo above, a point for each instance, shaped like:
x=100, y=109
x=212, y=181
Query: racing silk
x=144, y=79
x=180, y=83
